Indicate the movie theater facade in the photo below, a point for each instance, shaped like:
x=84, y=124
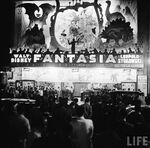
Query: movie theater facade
x=79, y=45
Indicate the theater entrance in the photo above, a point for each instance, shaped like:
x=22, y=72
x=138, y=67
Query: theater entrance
x=79, y=87
x=76, y=80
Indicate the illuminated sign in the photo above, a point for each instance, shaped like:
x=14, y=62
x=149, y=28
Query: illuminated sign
x=77, y=59
x=129, y=59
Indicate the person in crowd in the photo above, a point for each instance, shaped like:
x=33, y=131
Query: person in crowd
x=82, y=130
x=97, y=115
x=142, y=98
x=59, y=92
x=16, y=126
x=25, y=129
x=53, y=139
x=147, y=99
x=71, y=92
x=72, y=108
x=36, y=119
x=61, y=115
x=135, y=116
x=76, y=100
x=87, y=108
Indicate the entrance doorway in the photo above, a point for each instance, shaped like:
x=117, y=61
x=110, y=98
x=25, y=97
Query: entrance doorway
x=79, y=87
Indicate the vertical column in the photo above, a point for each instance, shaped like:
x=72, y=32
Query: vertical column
x=143, y=34
x=3, y=79
x=148, y=70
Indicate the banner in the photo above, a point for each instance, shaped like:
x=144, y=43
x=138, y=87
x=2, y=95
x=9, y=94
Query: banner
x=83, y=60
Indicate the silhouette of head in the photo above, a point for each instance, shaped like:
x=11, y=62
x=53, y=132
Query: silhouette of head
x=108, y=2
x=87, y=99
x=76, y=100
x=80, y=110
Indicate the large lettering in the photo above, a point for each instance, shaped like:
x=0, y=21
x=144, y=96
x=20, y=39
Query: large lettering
x=47, y=58
x=121, y=60
x=81, y=59
x=37, y=57
x=110, y=59
x=59, y=58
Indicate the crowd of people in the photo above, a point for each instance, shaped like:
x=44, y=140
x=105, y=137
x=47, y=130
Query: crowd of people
x=101, y=120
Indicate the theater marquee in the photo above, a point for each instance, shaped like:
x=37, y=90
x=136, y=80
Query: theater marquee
x=110, y=60
x=76, y=33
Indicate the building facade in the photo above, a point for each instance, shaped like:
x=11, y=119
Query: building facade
x=83, y=45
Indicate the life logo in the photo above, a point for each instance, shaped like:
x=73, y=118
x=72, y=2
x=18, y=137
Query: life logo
x=138, y=141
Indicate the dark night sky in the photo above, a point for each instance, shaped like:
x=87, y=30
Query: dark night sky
x=6, y=31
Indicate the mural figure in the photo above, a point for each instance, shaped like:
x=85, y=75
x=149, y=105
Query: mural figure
x=118, y=30
x=112, y=16
x=88, y=27
x=33, y=36
x=37, y=13
x=72, y=43
x=37, y=19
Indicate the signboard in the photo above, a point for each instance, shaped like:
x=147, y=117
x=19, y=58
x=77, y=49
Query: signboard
x=25, y=83
x=142, y=84
x=109, y=60
x=77, y=33
x=128, y=86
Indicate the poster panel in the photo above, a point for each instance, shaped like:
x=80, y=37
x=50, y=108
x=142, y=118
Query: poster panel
x=128, y=86
x=142, y=83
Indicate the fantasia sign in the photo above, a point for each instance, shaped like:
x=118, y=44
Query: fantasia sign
x=126, y=60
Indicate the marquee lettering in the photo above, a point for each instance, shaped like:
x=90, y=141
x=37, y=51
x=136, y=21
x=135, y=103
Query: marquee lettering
x=77, y=58
x=110, y=59
x=59, y=58
x=37, y=57
x=47, y=58
x=21, y=58
x=71, y=57
x=81, y=59
x=92, y=58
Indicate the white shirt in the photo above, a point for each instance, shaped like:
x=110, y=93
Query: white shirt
x=82, y=132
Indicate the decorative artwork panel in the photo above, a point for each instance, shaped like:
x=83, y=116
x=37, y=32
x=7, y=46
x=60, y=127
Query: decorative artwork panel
x=74, y=27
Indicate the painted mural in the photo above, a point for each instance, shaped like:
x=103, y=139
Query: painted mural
x=74, y=27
